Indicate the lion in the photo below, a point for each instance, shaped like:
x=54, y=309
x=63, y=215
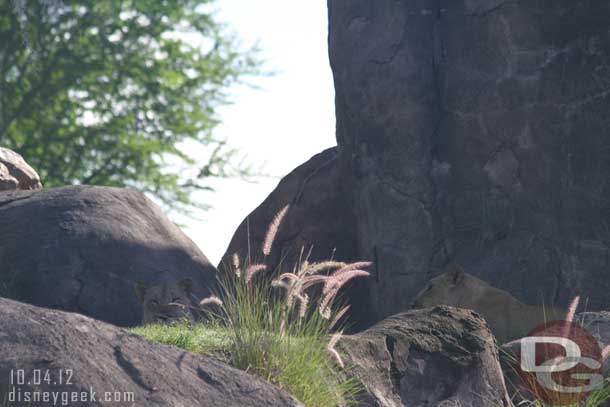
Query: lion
x=507, y=317
x=166, y=302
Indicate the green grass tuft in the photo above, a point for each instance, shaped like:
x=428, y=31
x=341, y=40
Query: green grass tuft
x=209, y=339
x=268, y=324
x=271, y=340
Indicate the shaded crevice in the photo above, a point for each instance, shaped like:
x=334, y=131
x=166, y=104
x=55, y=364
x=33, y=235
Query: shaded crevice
x=486, y=13
x=10, y=201
x=297, y=198
x=395, y=375
x=559, y=277
x=130, y=369
x=392, y=186
x=376, y=264
x=206, y=377
x=395, y=50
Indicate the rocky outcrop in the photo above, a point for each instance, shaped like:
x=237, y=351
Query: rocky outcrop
x=320, y=219
x=83, y=248
x=439, y=356
x=472, y=132
x=476, y=133
x=15, y=173
x=78, y=354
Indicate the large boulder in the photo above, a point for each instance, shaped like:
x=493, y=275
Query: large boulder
x=479, y=152
x=320, y=221
x=441, y=356
x=15, y=173
x=476, y=132
x=472, y=132
x=78, y=354
x=83, y=248
x=318, y=216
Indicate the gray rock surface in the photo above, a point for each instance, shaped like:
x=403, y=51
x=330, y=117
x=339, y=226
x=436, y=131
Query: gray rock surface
x=15, y=173
x=82, y=249
x=476, y=132
x=473, y=132
x=440, y=356
x=321, y=219
x=317, y=217
x=103, y=358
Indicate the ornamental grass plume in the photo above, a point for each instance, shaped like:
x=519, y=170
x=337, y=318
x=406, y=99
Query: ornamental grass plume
x=235, y=261
x=572, y=309
x=339, y=315
x=570, y=314
x=272, y=230
x=334, y=339
x=252, y=269
x=211, y=300
x=282, y=324
x=605, y=352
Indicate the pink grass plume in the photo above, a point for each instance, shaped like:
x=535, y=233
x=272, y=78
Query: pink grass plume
x=252, y=270
x=211, y=300
x=572, y=309
x=272, y=230
x=334, y=339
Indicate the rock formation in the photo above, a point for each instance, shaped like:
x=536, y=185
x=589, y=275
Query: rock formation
x=441, y=356
x=15, y=173
x=468, y=131
x=83, y=248
x=78, y=354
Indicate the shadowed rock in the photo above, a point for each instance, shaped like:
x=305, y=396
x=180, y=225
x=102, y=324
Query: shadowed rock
x=95, y=356
x=83, y=249
x=468, y=131
x=440, y=356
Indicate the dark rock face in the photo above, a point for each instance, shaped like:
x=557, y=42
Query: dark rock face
x=103, y=358
x=83, y=248
x=476, y=132
x=321, y=218
x=319, y=215
x=15, y=173
x=472, y=132
x=440, y=356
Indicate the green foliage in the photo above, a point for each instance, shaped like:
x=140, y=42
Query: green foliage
x=275, y=329
x=200, y=338
x=250, y=335
x=269, y=338
x=110, y=93
x=597, y=398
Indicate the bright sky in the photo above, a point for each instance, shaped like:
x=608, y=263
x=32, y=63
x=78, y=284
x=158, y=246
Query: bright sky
x=289, y=118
